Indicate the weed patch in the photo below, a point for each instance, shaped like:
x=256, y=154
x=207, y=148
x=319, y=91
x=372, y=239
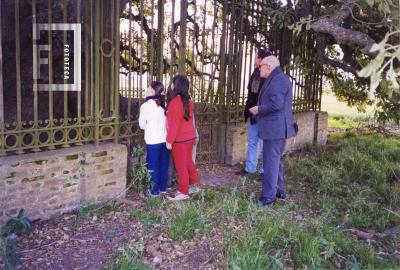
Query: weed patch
x=187, y=223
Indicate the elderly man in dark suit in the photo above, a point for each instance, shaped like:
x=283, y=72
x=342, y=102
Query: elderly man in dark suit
x=275, y=125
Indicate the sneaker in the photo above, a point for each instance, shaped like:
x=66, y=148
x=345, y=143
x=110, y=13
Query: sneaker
x=178, y=197
x=194, y=189
x=150, y=194
x=167, y=190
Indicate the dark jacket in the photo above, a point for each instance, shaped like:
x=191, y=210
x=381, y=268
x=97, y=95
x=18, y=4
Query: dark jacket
x=252, y=98
x=275, y=120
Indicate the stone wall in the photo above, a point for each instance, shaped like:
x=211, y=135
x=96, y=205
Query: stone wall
x=313, y=128
x=54, y=182
x=236, y=143
x=321, y=128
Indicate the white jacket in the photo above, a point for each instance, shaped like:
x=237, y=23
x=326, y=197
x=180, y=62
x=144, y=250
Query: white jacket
x=152, y=120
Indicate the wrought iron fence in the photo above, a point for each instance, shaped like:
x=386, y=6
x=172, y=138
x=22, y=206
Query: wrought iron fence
x=125, y=45
x=34, y=120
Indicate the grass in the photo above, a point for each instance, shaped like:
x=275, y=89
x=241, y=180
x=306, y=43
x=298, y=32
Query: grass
x=355, y=174
x=342, y=116
x=86, y=211
x=189, y=221
x=345, y=121
x=145, y=218
x=128, y=260
x=331, y=105
x=352, y=183
x=258, y=248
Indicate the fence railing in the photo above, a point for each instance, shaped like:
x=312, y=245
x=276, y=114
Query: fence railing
x=125, y=46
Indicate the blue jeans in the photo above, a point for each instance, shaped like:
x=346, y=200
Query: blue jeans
x=254, y=147
x=157, y=163
x=273, y=180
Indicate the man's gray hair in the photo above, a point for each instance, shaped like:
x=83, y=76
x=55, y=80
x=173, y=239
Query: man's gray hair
x=272, y=62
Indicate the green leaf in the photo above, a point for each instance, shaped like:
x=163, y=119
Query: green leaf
x=381, y=45
x=373, y=65
x=376, y=47
x=375, y=80
x=392, y=78
x=370, y=3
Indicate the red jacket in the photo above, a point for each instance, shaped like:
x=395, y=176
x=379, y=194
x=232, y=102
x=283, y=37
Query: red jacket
x=178, y=129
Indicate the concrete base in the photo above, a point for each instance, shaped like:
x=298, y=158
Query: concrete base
x=313, y=128
x=54, y=182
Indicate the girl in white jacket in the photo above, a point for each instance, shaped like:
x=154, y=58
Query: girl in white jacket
x=152, y=120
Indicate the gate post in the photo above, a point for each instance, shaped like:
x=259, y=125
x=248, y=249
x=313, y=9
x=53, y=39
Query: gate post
x=221, y=142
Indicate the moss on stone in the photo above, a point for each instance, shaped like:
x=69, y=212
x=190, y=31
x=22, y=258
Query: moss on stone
x=72, y=157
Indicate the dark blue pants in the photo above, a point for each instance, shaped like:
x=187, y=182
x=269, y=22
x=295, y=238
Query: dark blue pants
x=273, y=162
x=157, y=163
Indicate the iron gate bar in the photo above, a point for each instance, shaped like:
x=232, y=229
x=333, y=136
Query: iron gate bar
x=150, y=46
x=65, y=122
x=182, y=38
x=141, y=44
x=18, y=76
x=50, y=92
x=97, y=73
x=2, y=120
x=79, y=94
x=35, y=93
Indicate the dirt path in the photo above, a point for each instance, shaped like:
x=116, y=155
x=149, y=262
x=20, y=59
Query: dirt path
x=218, y=175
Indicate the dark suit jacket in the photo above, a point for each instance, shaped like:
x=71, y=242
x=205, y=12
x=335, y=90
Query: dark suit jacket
x=252, y=98
x=275, y=120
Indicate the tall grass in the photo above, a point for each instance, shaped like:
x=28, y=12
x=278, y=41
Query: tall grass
x=345, y=121
x=352, y=183
x=359, y=173
x=188, y=222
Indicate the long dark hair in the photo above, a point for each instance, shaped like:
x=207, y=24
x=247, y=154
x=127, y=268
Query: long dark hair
x=158, y=88
x=181, y=88
x=262, y=53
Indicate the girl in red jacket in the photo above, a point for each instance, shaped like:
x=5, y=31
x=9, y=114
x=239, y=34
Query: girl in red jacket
x=181, y=135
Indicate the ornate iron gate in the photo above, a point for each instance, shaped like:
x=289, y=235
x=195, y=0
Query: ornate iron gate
x=125, y=45
x=34, y=120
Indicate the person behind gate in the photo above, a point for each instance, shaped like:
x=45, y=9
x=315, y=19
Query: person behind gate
x=152, y=119
x=275, y=125
x=254, y=143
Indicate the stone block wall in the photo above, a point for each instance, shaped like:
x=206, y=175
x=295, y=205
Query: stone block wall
x=236, y=143
x=313, y=128
x=54, y=182
x=321, y=127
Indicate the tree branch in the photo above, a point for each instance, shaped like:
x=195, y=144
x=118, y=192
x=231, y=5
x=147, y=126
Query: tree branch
x=322, y=58
x=332, y=26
